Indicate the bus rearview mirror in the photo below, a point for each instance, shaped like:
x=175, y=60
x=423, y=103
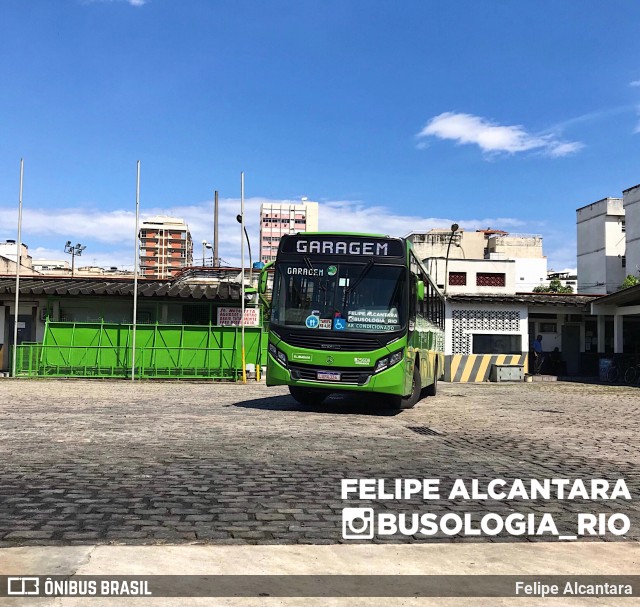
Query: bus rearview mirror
x=420, y=290
x=264, y=277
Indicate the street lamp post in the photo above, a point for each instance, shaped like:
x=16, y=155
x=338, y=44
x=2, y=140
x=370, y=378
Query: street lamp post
x=73, y=250
x=205, y=246
x=246, y=235
x=454, y=229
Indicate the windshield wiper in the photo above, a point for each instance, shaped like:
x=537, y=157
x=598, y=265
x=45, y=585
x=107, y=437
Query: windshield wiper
x=357, y=281
x=307, y=261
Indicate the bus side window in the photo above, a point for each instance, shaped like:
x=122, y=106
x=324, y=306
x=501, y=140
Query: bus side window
x=413, y=296
x=422, y=304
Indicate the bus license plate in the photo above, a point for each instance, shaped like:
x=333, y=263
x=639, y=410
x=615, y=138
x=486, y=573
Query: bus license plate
x=329, y=376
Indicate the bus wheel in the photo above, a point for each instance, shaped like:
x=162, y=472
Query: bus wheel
x=432, y=389
x=408, y=402
x=307, y=396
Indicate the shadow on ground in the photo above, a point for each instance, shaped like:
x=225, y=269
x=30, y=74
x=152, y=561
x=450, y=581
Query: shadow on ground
x=348, y=404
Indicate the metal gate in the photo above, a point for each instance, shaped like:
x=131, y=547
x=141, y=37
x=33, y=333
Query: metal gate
x=71, y=349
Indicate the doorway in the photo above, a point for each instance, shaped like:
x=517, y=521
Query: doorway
x=571, y=348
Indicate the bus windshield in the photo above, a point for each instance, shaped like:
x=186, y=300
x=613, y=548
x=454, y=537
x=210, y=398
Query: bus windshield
x=340, y=296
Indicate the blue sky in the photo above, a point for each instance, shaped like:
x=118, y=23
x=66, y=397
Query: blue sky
x=395, y=116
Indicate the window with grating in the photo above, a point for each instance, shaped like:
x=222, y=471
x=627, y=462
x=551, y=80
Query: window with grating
x=467, y=321
x=457, y=279
x=490, y=279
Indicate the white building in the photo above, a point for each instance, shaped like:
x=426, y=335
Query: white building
x=278, y=219
x=474, y=275
x=8, y=254
x=59, y=267
x=631, y=204
x=482, y=330
x=609, y=251
x=601, y=246
x=483, y=261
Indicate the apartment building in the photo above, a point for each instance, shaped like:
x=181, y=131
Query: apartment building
x=165, y=246
x=278, y=219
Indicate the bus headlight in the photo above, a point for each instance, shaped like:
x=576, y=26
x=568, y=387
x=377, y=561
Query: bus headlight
x=279, y=355
x=388, y=361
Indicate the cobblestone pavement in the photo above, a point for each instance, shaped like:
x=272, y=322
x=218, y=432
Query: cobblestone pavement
x=86, y=462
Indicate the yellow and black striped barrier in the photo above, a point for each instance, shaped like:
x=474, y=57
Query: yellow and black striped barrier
x=477, y=367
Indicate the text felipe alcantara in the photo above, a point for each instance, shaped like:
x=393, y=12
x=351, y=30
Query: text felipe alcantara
x=539, y=589
x=364, y=523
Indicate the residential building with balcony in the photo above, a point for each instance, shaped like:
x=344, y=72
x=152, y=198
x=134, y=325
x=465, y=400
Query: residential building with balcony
x=165, y=247
x=278, y=219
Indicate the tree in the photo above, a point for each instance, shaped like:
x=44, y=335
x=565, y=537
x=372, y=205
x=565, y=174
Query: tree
x=554, y=286
x=629, y=281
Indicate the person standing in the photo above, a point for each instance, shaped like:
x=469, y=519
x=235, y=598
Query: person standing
x=538, y=354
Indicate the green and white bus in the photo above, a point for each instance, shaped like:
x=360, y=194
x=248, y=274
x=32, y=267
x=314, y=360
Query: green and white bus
x=353, y=312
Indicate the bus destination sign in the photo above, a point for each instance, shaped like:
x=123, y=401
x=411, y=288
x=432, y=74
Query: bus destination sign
x=342, y=245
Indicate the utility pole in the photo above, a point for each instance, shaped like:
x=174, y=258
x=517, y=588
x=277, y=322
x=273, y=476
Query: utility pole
x=216, y=262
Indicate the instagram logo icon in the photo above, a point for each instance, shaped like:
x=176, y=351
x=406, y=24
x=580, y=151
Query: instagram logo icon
x=357, y=523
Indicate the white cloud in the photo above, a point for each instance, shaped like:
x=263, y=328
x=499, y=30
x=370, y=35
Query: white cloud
x=109, y=235
x=493, y=138
x=109, y=227
x=559, y=149
x=358, y=217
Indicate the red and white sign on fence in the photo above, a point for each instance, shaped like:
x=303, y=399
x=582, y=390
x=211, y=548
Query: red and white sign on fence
x=232, y=317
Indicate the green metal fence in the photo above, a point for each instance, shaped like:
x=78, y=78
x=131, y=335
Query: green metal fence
x=162, y=351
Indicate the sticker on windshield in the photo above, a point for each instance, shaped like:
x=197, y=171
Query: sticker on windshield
x=343, y=282
x=382, y=317
x=312, y=322
x=373, y=320
x=332, y=270
x=339, y=324
x=325, y=323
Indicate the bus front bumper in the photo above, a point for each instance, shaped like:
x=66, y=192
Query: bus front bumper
x=389, y=381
